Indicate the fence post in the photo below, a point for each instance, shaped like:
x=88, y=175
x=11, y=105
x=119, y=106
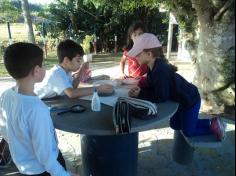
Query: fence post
x=9, y=32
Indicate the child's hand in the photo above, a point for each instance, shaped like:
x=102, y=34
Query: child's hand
x=134, y=92
x=105, y=88
x=124, y=76
x=85, y=65
x=82, y=70
x=138, y=77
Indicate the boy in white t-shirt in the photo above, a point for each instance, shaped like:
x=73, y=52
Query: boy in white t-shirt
x=58, y=80
x=25, y=120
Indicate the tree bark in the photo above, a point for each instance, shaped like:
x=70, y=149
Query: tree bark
x=27, y=19
x=215, y=72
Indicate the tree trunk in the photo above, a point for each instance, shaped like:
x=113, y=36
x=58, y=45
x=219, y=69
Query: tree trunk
x=215, y=72
x=27, y=19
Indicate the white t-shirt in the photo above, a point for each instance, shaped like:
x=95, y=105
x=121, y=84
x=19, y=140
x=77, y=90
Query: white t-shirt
x=26, y=124
x=55, y=82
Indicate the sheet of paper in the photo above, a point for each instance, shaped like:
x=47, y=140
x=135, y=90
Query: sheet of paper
x=111, y=100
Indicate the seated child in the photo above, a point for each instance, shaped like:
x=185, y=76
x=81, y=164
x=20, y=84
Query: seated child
x=135, y=70
x=25, y=120
x=165, y=84
x=59, y=81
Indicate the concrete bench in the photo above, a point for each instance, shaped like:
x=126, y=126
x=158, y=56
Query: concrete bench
x=205, y=141
x=184, y=147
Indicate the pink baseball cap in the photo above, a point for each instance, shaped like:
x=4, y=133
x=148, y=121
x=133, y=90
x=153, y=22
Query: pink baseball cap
x=144, y=41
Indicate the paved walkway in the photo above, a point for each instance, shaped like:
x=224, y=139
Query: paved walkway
x=155, y=146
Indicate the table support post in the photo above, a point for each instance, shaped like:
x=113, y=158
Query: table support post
x=115, y=155
x=182, y=152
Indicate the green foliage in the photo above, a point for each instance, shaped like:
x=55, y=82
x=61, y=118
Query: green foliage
x=8, y=12
x=86, y=43
x=185, y=14
x=103, y=20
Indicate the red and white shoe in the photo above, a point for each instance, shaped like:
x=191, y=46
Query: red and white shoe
x=218, y=127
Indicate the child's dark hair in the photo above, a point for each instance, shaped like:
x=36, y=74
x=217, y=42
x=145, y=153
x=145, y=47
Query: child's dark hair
x=158, y=53
x=20, y=58
x=134, y=26
x=68, y=48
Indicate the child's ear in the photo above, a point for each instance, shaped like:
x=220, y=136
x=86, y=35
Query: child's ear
x=66, y=60
x=149, y=53
x=36, y=70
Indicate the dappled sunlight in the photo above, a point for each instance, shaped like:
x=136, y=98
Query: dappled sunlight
x=148, y=137
x=230, y=127
x=12, y=173
x=113, y=72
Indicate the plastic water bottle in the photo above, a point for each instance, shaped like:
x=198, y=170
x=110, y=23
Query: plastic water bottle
x=95, y=104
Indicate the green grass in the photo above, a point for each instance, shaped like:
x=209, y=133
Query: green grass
x=48, y=63
x=51, y=60
x=18, y=33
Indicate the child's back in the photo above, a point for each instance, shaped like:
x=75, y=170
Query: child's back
x=25, y=120
x=27, y=117
x=165, y=84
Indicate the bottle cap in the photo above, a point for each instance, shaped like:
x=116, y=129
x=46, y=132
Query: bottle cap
x=94, y=89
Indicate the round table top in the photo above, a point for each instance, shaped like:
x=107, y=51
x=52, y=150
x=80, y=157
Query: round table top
x=101, y=123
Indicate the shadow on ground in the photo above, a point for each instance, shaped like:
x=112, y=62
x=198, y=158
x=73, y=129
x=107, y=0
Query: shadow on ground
x=155, y=159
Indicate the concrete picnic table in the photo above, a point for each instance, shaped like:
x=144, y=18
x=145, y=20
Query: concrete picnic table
x=105, y=153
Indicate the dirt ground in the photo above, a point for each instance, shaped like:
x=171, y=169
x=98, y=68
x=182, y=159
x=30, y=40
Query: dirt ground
x=155, y=146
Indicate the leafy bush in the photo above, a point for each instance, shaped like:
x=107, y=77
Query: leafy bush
x=86, y=43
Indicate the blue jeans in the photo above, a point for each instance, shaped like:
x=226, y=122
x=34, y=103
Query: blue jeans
x=187, y=121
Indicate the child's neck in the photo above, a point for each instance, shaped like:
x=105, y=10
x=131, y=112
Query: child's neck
x=25, y=86
x=151, y=63
x=64, y=68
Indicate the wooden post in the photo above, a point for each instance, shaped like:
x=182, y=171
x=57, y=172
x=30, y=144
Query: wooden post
x=115, y=49
x=170, y=37
x=9, y=32
x=95, y=45
x=45, y=47
x=172, y=21
x=44, y=33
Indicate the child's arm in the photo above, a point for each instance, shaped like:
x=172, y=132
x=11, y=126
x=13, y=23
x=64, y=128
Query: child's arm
x=85, y=91
x=44, y=141
x=161, y=89
x=122, y=65
x=3, y=126
x=78, y=92
x=147, y=94
x=134, y=92
x=78, y=75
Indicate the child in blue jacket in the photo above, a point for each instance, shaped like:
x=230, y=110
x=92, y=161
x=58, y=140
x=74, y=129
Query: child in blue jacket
x=165, y=84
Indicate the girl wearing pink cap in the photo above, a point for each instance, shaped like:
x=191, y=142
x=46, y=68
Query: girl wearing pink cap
x=165, y=84
x=135, y=70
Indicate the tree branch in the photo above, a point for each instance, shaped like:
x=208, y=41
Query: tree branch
x=204, y=10
x=198, y=4
x=223, y=9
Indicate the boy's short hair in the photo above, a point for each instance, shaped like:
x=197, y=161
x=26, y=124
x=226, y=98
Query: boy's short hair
x=20, y=58
x=68, y=48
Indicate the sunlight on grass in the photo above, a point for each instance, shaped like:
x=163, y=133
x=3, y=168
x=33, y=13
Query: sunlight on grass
x=48, y=63
x=51, y=60
x=18, y=32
